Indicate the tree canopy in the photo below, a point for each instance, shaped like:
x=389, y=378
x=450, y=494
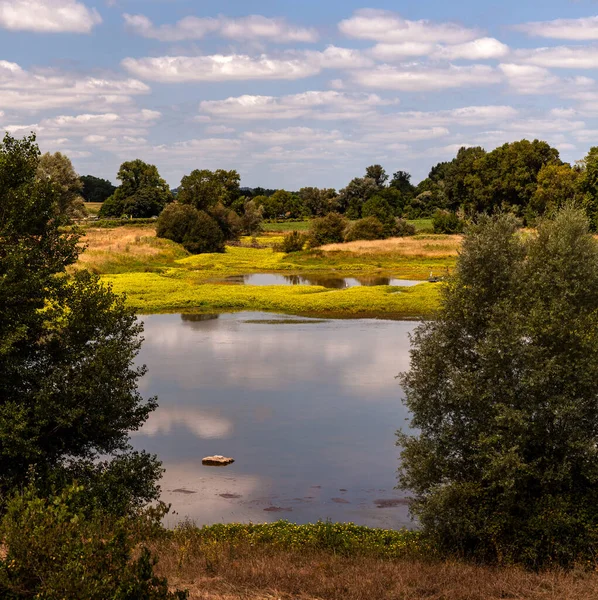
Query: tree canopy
x=504, y=397
x=96, y=189
x=68, y=383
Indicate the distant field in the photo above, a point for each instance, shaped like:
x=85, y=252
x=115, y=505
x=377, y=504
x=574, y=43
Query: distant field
x=421, y=226
x=93, y=208
x=287, y=226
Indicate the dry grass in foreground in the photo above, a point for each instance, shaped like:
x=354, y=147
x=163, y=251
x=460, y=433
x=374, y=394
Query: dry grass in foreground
x=425, y=246
x=256, y=573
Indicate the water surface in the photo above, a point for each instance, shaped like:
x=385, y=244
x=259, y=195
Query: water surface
x=308, y=409
x=327, y=281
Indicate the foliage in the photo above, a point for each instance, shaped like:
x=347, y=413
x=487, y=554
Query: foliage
x=196, y=230
x=141, y=194
x=228, y=221
x=447, y=222
x=203, y=189
x=59, y=547
x=252, y=221
x=318, y=202
x=292, y=242
x=281, y=205
x=403, y=228
x=67, y=345
x=59, y=171
x=96, y=189
x=327, y=230
x=368, y=228
x=401, y=180
x=503, y=391
x=352, y=198
x=343, y=539
x=378, y=174
x=378, y=207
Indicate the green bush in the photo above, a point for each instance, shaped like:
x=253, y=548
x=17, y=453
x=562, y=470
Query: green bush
x=368, y=228
x=57, y=548
x=403, y=228
x=447, y=222
x=194, y=229
x=327, y=230
x=292, y=242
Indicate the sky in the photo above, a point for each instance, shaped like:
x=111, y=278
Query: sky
x=301, y=93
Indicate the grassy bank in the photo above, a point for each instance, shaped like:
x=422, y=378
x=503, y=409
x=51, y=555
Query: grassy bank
x=159, y=276
x=341, y=562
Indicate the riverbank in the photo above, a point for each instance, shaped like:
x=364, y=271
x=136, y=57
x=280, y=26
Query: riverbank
x=159, y=276
x=342, y=562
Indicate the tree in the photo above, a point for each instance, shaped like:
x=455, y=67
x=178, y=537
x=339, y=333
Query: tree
x=253, y=218
x=195, y=229
x=96, y=189
x=352, y=198
x=281, y=205
x=401, y=180
x=378, y=174
x=318, y=202
x=381, y=210
x=558, y=185
x=68, y=384
x=203, y=188
x=504, y=397
x=59, y=171
x=141, y=194
x=368, y=228
x=589, y=185
x=327, y=230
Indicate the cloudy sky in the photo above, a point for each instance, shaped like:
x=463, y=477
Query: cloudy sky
x=296, y=93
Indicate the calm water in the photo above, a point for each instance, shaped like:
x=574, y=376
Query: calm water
x=308, y=410
x=326, y=281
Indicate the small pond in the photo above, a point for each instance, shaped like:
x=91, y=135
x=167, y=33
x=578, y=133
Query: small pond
x=308, y=408
x=327, y=281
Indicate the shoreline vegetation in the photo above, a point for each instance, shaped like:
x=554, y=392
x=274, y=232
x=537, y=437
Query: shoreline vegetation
x=159, y=276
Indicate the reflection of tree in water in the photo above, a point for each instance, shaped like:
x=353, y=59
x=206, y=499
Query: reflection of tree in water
x=372, y=281
x=195, y=320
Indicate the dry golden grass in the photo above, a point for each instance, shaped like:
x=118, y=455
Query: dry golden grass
x=119, y=239
x=424, y=246
x=256, y=573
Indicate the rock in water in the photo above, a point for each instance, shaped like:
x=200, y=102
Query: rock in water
x=217, y=461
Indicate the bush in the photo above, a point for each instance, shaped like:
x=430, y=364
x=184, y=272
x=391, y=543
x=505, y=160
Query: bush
x=327, y=230
x=58, y=548
x=403, y=228
x=369, y=228
x=501, y=458
x=228, y=221
x=292, y=242
x=194, y=229
x=447, y=222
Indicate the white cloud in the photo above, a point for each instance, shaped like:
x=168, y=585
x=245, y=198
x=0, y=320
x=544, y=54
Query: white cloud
x=468, y=116
x=386, y=26
x=22, y=90
x=426, y=79
x=48, y=16
x=480, y=49
x=218, y=130
x=561, y=57
x=326, y=105
x=339, y=58
x=529, y=79
x=250, y=28
x=240, y=67
x=292, y=135
x=563, y=29
x=406, y=135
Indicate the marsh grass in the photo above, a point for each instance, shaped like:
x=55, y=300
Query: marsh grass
x=159, y=276
x=336, y=561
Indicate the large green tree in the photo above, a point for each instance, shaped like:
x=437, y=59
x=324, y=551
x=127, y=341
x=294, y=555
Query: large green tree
x=96, y=189
x=141, y=194
x=68, y=382
x=503, y=391
x=203, y=189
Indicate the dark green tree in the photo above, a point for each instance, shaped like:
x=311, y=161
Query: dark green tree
x=96, y=189
x=504, y=397
x=141, y=194
x=204, y=189
x=378, y=174
x=68, y=383
x=401, y=180
x=352, y=198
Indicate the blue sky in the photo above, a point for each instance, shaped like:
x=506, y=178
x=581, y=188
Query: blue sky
x=296, y=93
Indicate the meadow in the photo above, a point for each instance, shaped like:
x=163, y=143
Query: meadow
x=159, y=276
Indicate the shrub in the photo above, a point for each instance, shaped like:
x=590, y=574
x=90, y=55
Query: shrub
x=58, y=548
x=194, y=229
x=403, y=228
x=447, y=222
x=228, y=221
x=327, y=230
x=368, y=228
x=292, y=242
x=503, y=396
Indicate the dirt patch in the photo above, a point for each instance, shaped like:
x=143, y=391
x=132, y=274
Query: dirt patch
x=391, y=502
x=277, y=509
x=230, y=496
